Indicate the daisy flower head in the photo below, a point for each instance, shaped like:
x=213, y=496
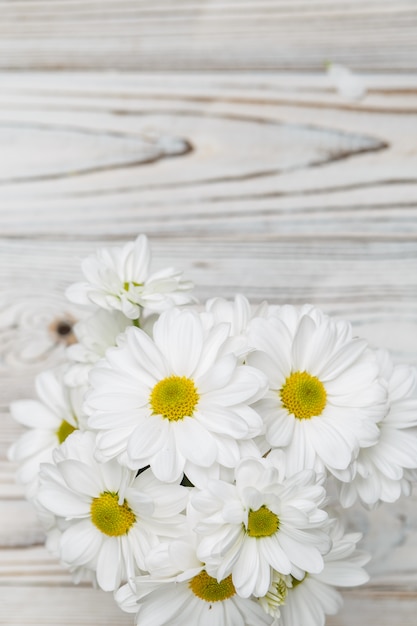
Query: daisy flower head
x=260, y=524
x=383, y=469
x=188, y=595
x=176, y=402
x=49, y=420
x=308, y=599
x=109, y=517
x=119, y=278
x=199, y=600
x=324, y=398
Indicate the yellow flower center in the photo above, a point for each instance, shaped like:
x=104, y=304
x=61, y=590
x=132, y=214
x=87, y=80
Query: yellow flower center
x=64, y=431
x=276, y=594
x=262, y=523
x=207, y=588
x=109, y=516
x=295, y=581
x=303, y=395
x=174, y=398
x=281, y=591
x=126, y=285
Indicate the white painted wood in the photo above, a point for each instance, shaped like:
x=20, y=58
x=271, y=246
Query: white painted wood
x=267, y=183
x=210, y=35
x=58, y=603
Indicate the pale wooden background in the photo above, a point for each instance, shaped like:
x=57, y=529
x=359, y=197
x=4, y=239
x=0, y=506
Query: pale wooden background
x=212, y=127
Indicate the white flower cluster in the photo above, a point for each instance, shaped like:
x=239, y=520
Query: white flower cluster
x=183, y=456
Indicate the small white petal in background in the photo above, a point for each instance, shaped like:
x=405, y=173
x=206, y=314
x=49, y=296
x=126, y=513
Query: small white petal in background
x=94, y=334
x=237, y=313
x=349, y=85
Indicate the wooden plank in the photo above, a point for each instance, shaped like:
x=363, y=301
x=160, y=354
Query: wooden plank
x=77, y=605
x=67, y=605
x=309, y=161
x=376, y=608
x=219, y=35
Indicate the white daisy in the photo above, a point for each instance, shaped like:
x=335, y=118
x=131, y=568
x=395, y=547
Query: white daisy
x=237, y=313
x=191, y=597
x=382, y=468
x=49, y=420
x=114, y=517
x=119, y=278
x=176, y=403
x=259, y=524
x=324, y=396
x=94, y=335
x=308, y=599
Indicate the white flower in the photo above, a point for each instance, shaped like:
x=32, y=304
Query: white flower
x=190, y=597
x=35, y=328
x=307, y=600
x=324, y=396
x=119, y=278
x=79, y=573
x=50, y=420
x=94, y=335
x=260, y=523
x=114, y=517
x=237, y=314
x=382, y=468
x=176, y=403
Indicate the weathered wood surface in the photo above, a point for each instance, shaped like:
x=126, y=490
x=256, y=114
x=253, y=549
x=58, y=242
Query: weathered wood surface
x=268, y=183
x=208, y=34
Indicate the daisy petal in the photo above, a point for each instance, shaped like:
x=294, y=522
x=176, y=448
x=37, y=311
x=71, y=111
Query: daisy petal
x=194, y=442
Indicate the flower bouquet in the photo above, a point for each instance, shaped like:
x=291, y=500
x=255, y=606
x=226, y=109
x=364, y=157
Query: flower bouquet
x=194, y=459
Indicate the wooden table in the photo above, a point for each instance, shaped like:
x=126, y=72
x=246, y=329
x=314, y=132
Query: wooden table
x=213, y=128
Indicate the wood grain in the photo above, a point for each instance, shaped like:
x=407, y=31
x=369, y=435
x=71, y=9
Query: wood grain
x=378, y=35
x=266, y=183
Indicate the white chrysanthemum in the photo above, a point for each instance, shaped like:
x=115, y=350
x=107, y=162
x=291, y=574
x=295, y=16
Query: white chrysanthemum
x=50, y=419
x=114, y=517
x=94, y=335
x=176, y=403
x=119, y=278
x=309, y=599
x=191, y=597
x=381, y=474
x=324, y=396
x=259, y=524
x=237, y=313
x=54, y=527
